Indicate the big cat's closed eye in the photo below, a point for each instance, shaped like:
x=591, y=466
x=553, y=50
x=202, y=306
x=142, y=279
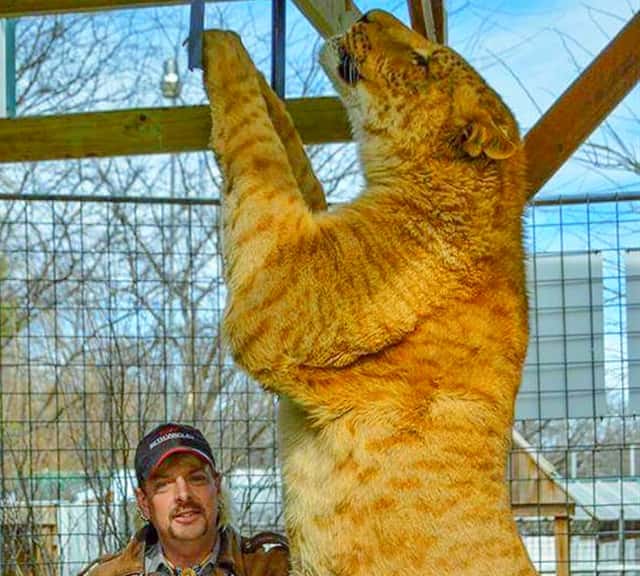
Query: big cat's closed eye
x=420, y=60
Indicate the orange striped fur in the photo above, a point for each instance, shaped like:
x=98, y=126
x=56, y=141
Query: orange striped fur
x=394, y=328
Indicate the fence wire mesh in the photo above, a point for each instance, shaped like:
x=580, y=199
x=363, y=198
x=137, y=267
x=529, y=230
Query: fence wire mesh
x=111, y=311
x=111, y=316
x=579, y=402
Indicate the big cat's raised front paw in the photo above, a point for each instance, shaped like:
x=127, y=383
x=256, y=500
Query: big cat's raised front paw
x=226, y=61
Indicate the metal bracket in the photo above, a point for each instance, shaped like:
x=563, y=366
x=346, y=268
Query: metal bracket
x=196, y=27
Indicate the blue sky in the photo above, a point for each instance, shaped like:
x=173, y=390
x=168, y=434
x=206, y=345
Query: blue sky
x=529, y=52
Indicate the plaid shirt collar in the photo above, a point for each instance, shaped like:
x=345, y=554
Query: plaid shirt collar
x=155, y=562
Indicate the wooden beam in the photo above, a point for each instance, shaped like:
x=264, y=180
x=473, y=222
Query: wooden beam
x=148, y=131
x=543, y=510
x=329, y=17
x=561, y=528
x=439, y=20
x=18, y=8
x=422, y=18
x=583, y=106
x=427, y=18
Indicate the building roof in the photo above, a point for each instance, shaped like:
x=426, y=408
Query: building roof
x=605, y=498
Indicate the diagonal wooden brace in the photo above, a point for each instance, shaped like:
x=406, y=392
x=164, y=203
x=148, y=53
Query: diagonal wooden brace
x=583, y=106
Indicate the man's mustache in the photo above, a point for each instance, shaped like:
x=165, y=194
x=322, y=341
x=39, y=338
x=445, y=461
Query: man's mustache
x=188, y=507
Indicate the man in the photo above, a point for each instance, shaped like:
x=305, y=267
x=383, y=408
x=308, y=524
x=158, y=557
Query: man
x=187, y=533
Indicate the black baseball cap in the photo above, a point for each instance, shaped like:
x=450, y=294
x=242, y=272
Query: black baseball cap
x=168, y=439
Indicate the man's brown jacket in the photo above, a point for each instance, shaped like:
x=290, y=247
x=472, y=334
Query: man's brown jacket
x=266, y=554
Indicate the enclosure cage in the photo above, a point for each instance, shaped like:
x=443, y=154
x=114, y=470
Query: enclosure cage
x=111, y=298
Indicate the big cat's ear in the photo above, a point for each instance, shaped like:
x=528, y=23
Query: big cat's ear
x=482, y=127
x=483, y=135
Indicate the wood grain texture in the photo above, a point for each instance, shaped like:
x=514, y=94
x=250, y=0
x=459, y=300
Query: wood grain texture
x=562, y=533
x=329, y=17
x=439, y=20
x=584, y=105
x=148, y=131
x=543, y=510
x=421, y=15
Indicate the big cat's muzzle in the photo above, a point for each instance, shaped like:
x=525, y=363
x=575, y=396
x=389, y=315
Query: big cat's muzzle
x=347, y=67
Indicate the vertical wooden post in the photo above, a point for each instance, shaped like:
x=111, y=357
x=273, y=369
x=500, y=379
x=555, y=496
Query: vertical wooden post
x=422, y=18
x=561, y=529
x=428, y=19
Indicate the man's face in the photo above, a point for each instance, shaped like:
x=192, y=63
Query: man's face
x=180, y=499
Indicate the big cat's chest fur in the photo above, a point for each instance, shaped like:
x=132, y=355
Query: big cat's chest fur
x=392, y=328
x=378, y=490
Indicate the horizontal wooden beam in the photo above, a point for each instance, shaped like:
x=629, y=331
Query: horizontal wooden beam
x=560, y=509
x=584, y=105
x=328, y=17
x=148, y=131
x=18, y=8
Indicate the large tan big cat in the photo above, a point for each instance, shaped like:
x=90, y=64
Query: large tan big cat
x=393, y=328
